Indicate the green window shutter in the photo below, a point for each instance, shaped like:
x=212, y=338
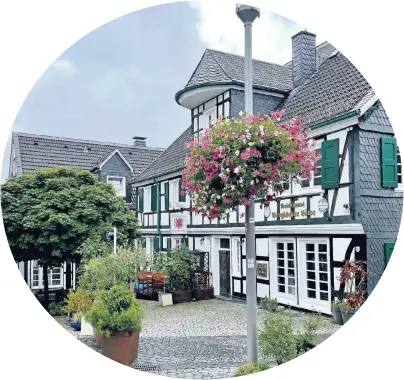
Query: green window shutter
x=167, y=195
x=181, y=198
x=141, y=202
x=154, y=198
x=330, y=164
x=156, y=244
x=184, y=241
x=168, y=244
x=389, y=162
x=388, y=250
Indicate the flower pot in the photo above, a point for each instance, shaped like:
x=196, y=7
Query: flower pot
x=121, y=346
x=182, y=296
x=203, y=294
x=347, y=315
x=165, y=299
x=337, y=314
x=86, y=328
x=75, y=325
x=98, y=338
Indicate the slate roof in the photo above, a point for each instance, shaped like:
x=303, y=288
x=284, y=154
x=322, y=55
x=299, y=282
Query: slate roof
x=217, y=66
x=39, y=152
x=336, y=88
x=171, y=160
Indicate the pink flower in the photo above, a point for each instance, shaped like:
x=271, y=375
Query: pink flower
x=247, y=203
x=227, y=200
x=208, y=176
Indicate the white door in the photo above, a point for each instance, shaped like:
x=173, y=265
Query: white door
x=314, y=277
x=283, y=271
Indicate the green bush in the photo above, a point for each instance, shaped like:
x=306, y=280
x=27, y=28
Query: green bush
x=251, y=368
x=278, y=341
x=269, y=304
x=56, y=309
x=116, y=310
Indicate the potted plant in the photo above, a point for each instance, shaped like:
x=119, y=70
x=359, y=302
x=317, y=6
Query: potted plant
x=180, y=267
x=336, y=311
x=79, y=302
x=353, y=276
x=117, y=316
x=75, y=322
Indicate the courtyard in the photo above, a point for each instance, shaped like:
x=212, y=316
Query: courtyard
x=197, y=340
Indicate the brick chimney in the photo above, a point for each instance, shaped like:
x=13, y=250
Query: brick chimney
x=139, y=141
x=303, y=57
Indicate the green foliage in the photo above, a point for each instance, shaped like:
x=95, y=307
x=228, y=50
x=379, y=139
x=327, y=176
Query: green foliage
x=116, y=310
x=77, y=316
x=251, y=368
x=269, y=304
x=104, y=272
x=48, y=214
x=344, y=306
x=78, y=301
x=277, y=339
x=180, y=266
x=56, y=309
x=95, y=246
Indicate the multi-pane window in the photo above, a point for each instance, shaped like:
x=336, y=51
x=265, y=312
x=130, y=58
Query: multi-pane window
x=54, y=276
x=204, y=115
x=316, y=177
x=119, y=184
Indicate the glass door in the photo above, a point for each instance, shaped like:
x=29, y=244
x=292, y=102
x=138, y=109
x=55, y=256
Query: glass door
x=314, y=281
x=283, y=272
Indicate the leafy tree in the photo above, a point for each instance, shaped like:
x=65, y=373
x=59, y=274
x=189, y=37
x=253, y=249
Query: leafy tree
x=48, y=214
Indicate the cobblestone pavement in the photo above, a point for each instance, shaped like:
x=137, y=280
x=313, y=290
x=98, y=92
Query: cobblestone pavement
x=199, y=340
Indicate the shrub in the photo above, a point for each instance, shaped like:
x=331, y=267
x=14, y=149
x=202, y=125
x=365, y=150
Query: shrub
x=180, y=266
x=116, y=310
x=78, y=301
x=251, y=368
x=56, y=309
x=269, y=304
x=276, y=339
x=307, y=337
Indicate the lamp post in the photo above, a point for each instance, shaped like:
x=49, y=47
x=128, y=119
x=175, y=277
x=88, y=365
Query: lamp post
x=247, y=15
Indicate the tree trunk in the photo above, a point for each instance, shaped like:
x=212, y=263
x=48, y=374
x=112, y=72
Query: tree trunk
x=45, y=287
x=68, y=275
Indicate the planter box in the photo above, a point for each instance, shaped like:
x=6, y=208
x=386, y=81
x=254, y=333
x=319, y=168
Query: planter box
x=347, y=315
x=183, y=296
x=203, y=294
x=122, y=347
x=165, y=299
x=86, y=328
x=75, y=325
x=98, y=338
x=337, y=314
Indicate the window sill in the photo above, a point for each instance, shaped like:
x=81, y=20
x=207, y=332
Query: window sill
x=302, y=193
x=399, y=189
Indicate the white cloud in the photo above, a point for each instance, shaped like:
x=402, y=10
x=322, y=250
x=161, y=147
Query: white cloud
x=64, y=66
x=220, y=28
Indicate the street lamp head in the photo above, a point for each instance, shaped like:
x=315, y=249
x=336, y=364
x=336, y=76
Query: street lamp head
x=247, y=13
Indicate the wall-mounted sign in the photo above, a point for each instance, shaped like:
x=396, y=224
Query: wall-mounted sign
x=323, y=205
x=293, y=214
x=178, y=223
x=262, y=270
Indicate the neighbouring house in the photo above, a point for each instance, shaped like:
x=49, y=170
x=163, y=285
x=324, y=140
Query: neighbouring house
x=112, y=163
x=351, y=209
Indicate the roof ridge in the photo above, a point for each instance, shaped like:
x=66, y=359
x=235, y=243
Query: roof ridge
x=212, y=55
x=241, y=56
x=84, y=141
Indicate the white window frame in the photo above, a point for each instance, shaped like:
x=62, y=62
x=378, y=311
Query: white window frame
x=311, y=188
x=147, y=199
x=114, y=177
x=40, y=284
x=235, y=257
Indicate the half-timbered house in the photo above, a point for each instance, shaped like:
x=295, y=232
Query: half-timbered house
x=350, y=209
x=111, y=163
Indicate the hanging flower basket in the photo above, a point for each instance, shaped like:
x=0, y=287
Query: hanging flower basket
x=238, y=158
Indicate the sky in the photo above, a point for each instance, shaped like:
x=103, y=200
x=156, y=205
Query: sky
x=120, y=80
